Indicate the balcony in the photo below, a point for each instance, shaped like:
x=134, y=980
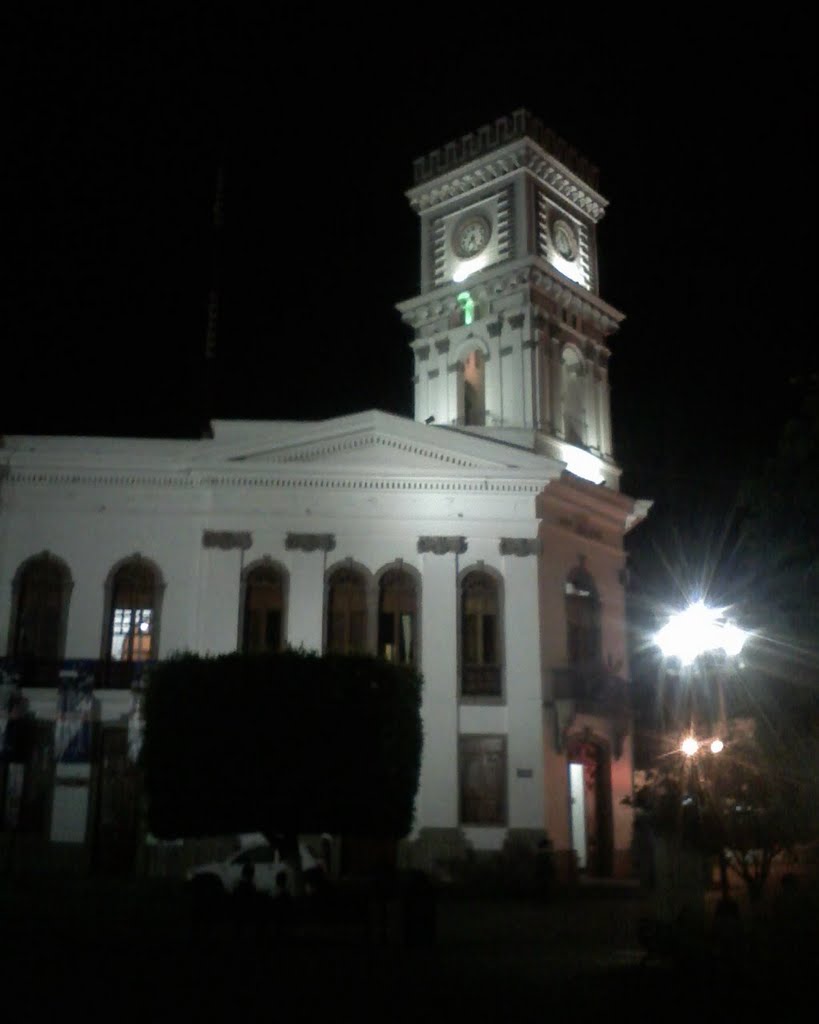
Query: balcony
x=481, y=681
x=590, y=691
x=593, y=689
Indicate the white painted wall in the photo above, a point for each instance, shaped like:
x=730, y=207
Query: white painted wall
x=93, y=525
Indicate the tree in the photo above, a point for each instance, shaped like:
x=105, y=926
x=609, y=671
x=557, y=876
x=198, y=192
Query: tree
x=780, y=535
x=281, y=744
x=746, y=804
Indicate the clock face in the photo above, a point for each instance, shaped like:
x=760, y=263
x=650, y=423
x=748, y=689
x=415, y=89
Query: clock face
x=564, y=240
x=471, y=237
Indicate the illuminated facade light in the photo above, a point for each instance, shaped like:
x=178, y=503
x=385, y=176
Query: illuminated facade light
x=582, y=463
x=467, y=304
x=468, y=267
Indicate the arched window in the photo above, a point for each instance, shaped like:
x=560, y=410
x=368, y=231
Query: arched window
x=397, y=617
x=480, y=636
x=347, y=613
x=263, y=612
x=573, y=394
x=41, y=591
x=474, y=390
x=132, y=630
x=582, y=620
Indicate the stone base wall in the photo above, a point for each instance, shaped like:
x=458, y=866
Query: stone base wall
x=434, y=850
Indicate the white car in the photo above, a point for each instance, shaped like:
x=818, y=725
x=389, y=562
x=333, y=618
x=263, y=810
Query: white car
x=267, y=864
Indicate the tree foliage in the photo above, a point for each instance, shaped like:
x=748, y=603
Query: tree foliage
x=286, y=743
x=781, y=539
x=751, y=802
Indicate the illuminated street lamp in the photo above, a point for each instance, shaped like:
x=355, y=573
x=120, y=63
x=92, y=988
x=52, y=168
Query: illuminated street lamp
x=695, y=632
x=699, y=630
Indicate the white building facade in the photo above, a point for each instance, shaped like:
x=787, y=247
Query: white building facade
x=483, y=542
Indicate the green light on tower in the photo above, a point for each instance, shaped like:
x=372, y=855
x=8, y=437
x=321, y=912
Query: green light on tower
x=467, y=304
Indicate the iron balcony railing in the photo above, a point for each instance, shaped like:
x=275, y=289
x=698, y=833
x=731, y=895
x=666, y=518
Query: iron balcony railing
x=481, y=681
x=594, y=689
x=43, y=673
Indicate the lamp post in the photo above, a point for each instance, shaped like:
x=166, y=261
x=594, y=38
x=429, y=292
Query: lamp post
x=692, y=637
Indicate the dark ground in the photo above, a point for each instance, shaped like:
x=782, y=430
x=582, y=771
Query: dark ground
x=99, y=949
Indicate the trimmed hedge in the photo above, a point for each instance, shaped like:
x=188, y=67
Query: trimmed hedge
x=281, y=743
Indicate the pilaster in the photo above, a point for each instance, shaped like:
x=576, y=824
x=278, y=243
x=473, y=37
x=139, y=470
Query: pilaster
x=437, y=804
x=308, y=562
x=524, y=700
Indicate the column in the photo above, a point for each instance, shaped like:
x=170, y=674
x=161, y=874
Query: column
x=605, y=418
x=555, y=382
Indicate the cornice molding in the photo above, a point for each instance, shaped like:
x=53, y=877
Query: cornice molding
x=519, y=124
x=503, y=280
x=269, y=479
x=521, y=155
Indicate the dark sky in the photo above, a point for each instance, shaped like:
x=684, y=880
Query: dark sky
x=704, y=131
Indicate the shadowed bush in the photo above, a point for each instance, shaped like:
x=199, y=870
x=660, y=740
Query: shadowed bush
x=281, y=743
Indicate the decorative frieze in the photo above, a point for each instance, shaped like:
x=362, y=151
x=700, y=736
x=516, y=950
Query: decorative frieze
x=520, y=546
x=310, y=541
x=442, y=545
x=227, y=540
x=509, y=279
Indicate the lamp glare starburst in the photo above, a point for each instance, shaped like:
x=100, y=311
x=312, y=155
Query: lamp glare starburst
x=698, y=629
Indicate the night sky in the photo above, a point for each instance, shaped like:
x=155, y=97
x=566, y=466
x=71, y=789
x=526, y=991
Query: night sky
x=704, y=132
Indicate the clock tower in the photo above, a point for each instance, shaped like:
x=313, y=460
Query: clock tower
x=510, y=332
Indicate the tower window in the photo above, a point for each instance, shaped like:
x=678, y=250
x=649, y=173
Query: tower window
x=573, y=395
x=474, y=397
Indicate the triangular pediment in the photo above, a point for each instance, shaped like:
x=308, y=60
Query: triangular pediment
x=369, y=441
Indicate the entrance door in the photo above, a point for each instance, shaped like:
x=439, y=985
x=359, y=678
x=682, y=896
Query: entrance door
x=577, y=798
x=591, y=815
